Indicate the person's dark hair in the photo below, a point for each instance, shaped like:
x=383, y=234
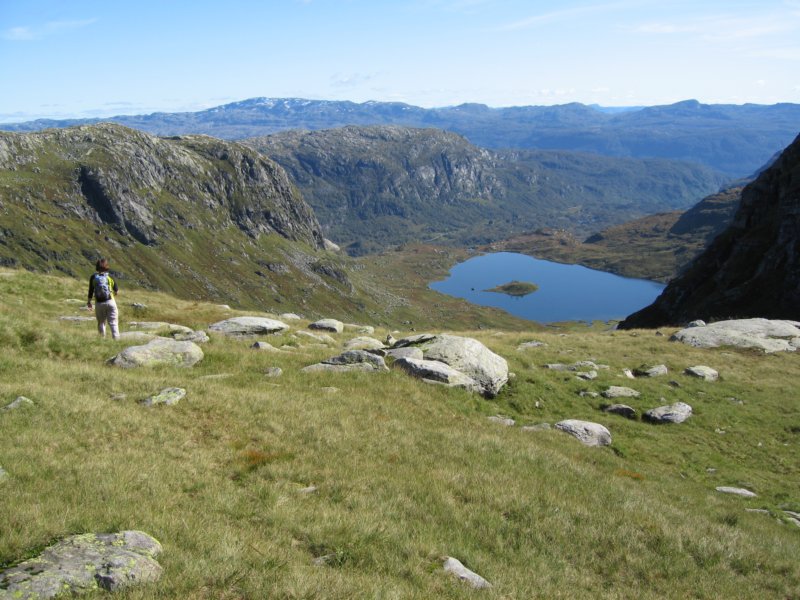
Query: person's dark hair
x=102, y=265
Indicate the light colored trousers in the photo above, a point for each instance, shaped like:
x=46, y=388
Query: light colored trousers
x=107, y=311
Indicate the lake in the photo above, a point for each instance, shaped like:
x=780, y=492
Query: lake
x=566, y=292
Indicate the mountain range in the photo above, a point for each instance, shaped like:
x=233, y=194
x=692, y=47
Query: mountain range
x=376, y=187
x=733, y=139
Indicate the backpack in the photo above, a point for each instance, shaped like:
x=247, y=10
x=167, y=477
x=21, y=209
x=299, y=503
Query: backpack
x=102, y=287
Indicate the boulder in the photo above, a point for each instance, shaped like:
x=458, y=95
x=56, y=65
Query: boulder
x=586, y=375
x=433, y=370
x=159, y=326
x=273, y=372
x=290, y=317
x=654, y=371
x=455, y=567
x=364, y=343
x=19, y=402
x=322, y=338
x=352, y=360
x=589, y=434
x=702, y=372
x=623, y=410
x=159, y=351
x=198, y=337
x=248, y=326
x=674, y=413
x=618, y=391
x=736, y=491
x=81, y=563
x=410, y=352
x=328, y=325
x=488, y=370
x=138, y=336
x=764, y=334
x=167, y=396
x=264, y=346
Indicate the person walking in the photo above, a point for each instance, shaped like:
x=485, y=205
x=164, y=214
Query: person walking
x=103, y=288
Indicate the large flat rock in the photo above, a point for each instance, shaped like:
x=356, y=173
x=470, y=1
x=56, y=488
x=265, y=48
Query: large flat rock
x=248, y=326
x=159, y=351
x=769, y=335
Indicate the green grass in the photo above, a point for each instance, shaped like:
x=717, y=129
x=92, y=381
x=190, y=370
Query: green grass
x=515, y=288
x=406, y=473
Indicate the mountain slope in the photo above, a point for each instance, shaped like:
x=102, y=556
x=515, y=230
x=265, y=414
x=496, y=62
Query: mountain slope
x=752, y=269
x=373, y=187
x=732, y=139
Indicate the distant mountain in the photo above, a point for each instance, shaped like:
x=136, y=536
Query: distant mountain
x=376, y=187
x=195, y=216
x=655, y=247
x=732, y=139
x=752, y=269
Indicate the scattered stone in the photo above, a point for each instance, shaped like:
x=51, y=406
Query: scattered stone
x=81, y=563
x=501, y=420
x=264, y=346
x=273, y=372
x=19, y=402
x=77, y=319
x=290, y=317
x=533, y=344
x=308, y=490
x=764, y=334
x=167, y=396
x=364, y=343
x=792, y=517
x=617, y=391
x=587, y=375
x=322, y=338
x=702, y=372
x=588, y=394
x=556, y=367
x=589, y=434
x=435, y=371
x=537, y=427
x=160, y=326
x=409, y=352
x=198, y=337
x=248, y=326
x=159, y=351
x=760, y=511
x=454, y=566
x=673, y=413
x=352, y=360
x=328, y=325
x=467, y=355
x=622, y=410
x=655, y=371
x=737, y=491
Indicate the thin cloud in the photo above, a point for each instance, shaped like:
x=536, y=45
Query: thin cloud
x=724, y=28
x=567, y=13
x=38, y=32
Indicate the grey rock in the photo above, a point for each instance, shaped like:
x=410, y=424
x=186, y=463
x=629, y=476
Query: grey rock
x=409, y=352
x=198, y=337
x=654, y=371
x=159, y=326
x=537, y=427
x=760, y=511
x=673, y=413
x=322, y=338
x=586, y=375
x=435, y=371
x=617, y=391
x=501, y=420
x=764, y=334
x=467, y=355
x=702, y=372
x=532, y=344
x=290, y=317
x=328, y=325
x=273, y=372
x=362, y=329
x=454, y=567
x=264, y=346
x=351, y=360
x=622, y=410
x=588, y=394
x=248, y=326
x=589, y=434
x=19, y=402
x=556, y=367
x=308, y=490
x=82, y=563
x=364, y=343
x=159, y=351
x=168, y=397
x=736, y=491
x=138, y=336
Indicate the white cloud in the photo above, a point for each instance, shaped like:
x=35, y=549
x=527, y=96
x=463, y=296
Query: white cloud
x=567, y=13
x=28, y=33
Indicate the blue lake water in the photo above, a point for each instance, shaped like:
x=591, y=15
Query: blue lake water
x=566, y=292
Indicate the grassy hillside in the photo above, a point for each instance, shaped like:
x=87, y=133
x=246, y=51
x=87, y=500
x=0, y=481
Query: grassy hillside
x=405, y=472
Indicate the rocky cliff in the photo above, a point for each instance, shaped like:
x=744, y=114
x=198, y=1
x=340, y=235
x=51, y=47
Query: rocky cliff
x=752, y=269
x=192, y=215
x=374, y=187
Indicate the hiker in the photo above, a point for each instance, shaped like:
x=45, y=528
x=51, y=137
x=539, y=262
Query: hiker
x=103, y=288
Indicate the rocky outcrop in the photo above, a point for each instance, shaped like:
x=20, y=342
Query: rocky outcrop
x=763, y=334
x=589, y=434
x=82, y=563
x=352, y=360
x=752, y=269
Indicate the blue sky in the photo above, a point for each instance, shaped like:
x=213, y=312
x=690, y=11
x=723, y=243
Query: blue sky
x=82, y=58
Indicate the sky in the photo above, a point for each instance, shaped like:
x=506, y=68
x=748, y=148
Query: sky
x=93, y=58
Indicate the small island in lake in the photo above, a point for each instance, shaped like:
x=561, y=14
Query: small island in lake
x=515, y=288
